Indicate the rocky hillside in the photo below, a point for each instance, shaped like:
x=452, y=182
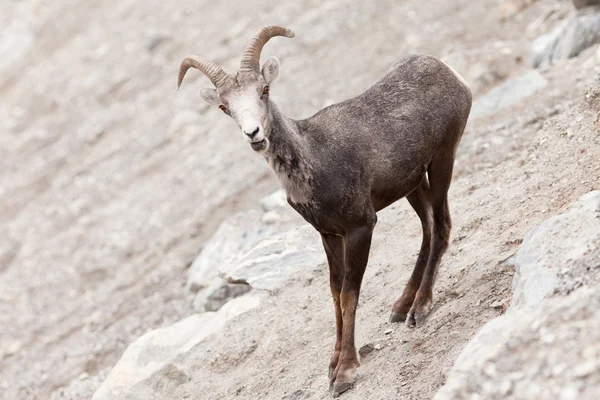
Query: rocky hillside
x=112, y=184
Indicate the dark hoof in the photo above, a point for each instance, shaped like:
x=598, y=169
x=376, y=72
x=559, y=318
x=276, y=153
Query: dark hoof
x=341, y=387
x=417, y=320
x=395, y=317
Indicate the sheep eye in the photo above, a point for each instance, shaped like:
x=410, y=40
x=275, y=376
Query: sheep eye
x=266, y=90
x=223, y=108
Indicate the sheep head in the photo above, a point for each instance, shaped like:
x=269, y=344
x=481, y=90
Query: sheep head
x=244, y=96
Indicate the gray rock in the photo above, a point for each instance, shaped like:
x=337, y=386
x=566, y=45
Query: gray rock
x=217, y=294
x=155, y=39
x=15, y=42
x=508, y=93
x=533, y=353
x=277, y=259
x=274, y=201
x=555, y=256
x=366, y=349
x=577, y=33
x=545, y=346
x=271, y=217
x=152, y=364
x=299, y=394
x=585, y=3
x=235, y=235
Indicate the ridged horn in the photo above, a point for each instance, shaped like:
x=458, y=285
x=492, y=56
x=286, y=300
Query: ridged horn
x=251, y=57
x=215, y=73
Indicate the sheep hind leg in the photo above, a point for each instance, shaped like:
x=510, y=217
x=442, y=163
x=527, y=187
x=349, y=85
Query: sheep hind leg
x=440, y=176
x=419, y=201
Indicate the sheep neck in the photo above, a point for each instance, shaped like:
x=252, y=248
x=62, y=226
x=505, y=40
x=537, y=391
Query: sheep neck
x=287, y=155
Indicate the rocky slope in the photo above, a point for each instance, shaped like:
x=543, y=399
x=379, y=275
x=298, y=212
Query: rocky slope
x=111, y=183
x=547, y=345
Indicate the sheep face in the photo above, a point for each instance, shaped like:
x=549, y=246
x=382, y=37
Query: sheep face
x=246, y=100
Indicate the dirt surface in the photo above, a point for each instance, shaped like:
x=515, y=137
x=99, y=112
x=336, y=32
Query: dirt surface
x=110, y=182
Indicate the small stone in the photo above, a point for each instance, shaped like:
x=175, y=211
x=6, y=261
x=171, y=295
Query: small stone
x=12, y=348
x=271, y=217
x=505, y=387
x=490, y=369
x=83, y=376
x=155, y=39
x=497, y=304
x=548, y=338
x=378, y=346
x=298, y=395
x=366, y=349
x=388, y=331
x=559, y=369
x=569, y=393
x=516, y=376
x=274, y=201
x=585, y=369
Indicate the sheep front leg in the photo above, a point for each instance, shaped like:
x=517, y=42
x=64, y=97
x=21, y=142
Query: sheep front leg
x=334, y=248
x=357, y=245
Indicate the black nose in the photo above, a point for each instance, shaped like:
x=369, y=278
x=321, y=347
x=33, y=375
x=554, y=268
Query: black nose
x=253, y=133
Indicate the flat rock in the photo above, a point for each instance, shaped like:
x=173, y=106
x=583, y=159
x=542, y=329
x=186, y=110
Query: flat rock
x=276, y=259
x=235, y=235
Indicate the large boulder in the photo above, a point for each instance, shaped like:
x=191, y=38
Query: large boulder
x=508, y=93
x=274, y=260
x=559, y=255
x=235, y=235
x=578, y=32
x=154, y=361
x=552, y=352
x=547, y=345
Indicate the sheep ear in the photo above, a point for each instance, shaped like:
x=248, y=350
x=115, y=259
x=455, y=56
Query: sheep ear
x=270, y=70
x=210, y=96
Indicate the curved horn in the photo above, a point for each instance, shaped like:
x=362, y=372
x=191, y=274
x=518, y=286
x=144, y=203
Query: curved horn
x=215, y=73
x=251, y=56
